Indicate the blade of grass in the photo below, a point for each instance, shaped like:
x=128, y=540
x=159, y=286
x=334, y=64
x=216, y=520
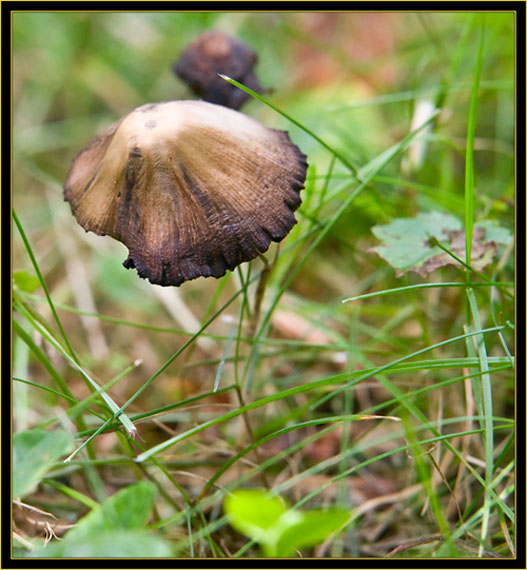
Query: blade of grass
x=268, y=341
x=123, y=418
x=322, y=196
x=123, y=322
x=245, y=312
x=224, y=357
x=273, y=435
x=46, y=389
x=469, y=524
x=43, y=284
x=493, y=296
x=333, y=151
x=44, y=360
x=83, y=404
x=469, y=268
x=110, y=384
x=439, y=90
x=72, y=493
x=163, y=410
x=423, y=286
x=476, y=387
x=360, y=450
x=469, y=156
x=445, y=84
x=486, y=393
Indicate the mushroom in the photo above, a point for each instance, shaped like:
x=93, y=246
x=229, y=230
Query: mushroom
x=191, y=188
x=215, y=52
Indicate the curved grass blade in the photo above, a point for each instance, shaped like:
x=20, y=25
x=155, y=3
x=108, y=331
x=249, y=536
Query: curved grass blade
x=117, y=411
x=424, y=286
x=42, y=282
x=469, y=154
x=333, y=151
x=469, y=268
x=486, y=395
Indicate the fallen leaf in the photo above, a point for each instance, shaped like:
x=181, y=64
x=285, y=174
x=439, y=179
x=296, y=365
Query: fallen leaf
x=406, y=242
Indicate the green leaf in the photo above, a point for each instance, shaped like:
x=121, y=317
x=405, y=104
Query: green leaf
x=115, y=528
x=313, y=529
x=128, y=509
x=495, y=233
x=254, y=513
x=407, y=242
x=280, y=530
x=34, y=453
x=111, y=544
x=407, y=239
x=26, y=282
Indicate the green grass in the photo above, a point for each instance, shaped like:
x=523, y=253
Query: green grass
x=338, y=383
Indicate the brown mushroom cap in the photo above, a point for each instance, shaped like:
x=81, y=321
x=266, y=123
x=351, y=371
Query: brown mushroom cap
x=191, y=188
x=215, y=52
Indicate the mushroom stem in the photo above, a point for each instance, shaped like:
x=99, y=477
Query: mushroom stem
x=253, y=324
x=247, y=422
x=259, y=294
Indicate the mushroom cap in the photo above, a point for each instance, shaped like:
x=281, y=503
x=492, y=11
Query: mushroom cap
x=191, y=188
x=215, y=52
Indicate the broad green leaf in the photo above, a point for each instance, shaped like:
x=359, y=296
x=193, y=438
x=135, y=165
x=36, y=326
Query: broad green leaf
x=26, y=282
x=254, y=513
x=407, y=239
x=129, y=509
x=314, y=528
x=109, y=544
x=406, y=242
x=494, y=232
x=278, y=529
x=34, y=453
x=115, y=528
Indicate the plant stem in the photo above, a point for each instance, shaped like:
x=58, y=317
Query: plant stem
x=259, y=295
x=253, y=325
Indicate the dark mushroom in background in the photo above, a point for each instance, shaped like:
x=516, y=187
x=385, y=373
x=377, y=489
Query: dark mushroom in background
x=212, y=53
x=191, y=188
